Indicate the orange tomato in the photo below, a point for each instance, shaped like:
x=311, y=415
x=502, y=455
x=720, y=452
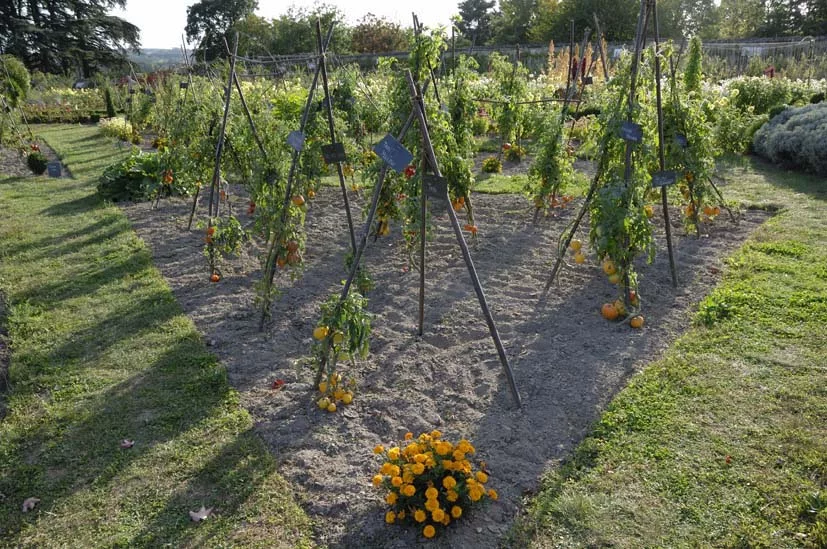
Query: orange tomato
x=609, y=312
x=215, y=277
x=636, y=322
x=298, y=200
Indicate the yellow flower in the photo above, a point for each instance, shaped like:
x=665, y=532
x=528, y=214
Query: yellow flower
x=429, y=531
x=393, y=453
x=475, y=493
x=449, y=482
x=394, y=471
x=431, y=493
x=431, y=504
x=446, y=519
x=420, y=458
x=400, y=515
x=391, y=499
x=465, y=446
x=438, y=514
x=418, y=469
x=378, y=449
x=407, y=477
x=419, y=515
x=482, y=477
x=377, y=480
x=386, y=468
x=443, y=448
x=390, y=517
x=456, y=511
x=408, y=435
x=396, y=481
x=408, y=490
x=447, y=464
x=458, y=455
x=435, y=434
x=452, y=496
x=493, y=494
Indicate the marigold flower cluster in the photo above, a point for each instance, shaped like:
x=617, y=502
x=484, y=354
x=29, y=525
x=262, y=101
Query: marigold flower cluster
x=430, y=482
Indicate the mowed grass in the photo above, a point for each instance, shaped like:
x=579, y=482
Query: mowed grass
x=722, y=442
x=101, y=353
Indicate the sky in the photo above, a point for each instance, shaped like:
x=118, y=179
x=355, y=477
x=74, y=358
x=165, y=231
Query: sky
x=162, y=22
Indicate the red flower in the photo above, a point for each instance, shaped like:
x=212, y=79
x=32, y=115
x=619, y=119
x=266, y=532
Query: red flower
x=506, y=146
x=410, y=171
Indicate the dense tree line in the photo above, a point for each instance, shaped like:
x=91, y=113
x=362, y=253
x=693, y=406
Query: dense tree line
x=65, y=36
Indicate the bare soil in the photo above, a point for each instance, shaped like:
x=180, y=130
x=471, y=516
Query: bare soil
x=568, y=361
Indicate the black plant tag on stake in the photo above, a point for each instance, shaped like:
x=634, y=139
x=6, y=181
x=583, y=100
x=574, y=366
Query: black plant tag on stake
x=630, y=131
x=393, y=153
x=664, y=179
x=436, y=190
x=333, y=153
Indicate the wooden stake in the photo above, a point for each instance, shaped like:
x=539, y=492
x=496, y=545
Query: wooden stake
x=466, y=254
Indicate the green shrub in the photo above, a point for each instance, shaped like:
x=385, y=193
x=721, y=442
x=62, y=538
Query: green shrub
x=795, y=139
x=37, y=162
x=117, y=127
x=480, y=125
x=107, y=100
x=15, y=86
x=693, y=75
x=515, y=153
x=137, y=177
x=762, y=94
x=492, y=164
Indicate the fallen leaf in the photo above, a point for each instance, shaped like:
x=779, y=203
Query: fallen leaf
x=201, y=514
x=30, y=504
x=728, y=460
x=278, y=384
x=126, y=443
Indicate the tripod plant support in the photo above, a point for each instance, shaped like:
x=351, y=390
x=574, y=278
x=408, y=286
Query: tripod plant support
x=416, y=99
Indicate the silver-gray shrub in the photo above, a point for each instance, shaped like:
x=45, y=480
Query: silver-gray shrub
x=796, y=138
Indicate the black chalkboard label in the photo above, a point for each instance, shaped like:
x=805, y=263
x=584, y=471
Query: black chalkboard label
x=630, y=131
x=436, y=190
x=664, y=179
x=184, y=85
x=333, y=153
x=131, y=91
x=681, y=140
x=296, y=140
x=54, y=169
x=587, y=80
x=393, y=153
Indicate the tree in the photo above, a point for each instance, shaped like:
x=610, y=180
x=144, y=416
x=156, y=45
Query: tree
x=377, y=35
x=513, y=21
x=60, y=36
x=541, y=28
x=475, y=23
x=14, y=80
x=741, y=18
x=684, y=18
x=295, y=31
x=209, y=23
x=618, y=18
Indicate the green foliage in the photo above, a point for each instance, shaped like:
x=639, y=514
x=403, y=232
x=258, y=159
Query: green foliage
x=138, y=177
x=209, y=22
x=107, y=100
x=512, y=90
x=795, y=138
x=492, y=164
x=693, y=74
x=552, y=167
x=118, y=128
x=761, y=94
x=37, y=162
x=15, y=80
x=347, y=333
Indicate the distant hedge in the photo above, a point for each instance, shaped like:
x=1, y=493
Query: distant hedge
x=796, y=138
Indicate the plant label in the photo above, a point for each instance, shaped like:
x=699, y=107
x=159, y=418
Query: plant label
x=630, y=131
x=588, y=80
x=681, y=140
x=184, y=85
x=334, y=153
x=296, y=140
x=393, y=153
x=436, y=190
x=664, y=179
x=54, y=169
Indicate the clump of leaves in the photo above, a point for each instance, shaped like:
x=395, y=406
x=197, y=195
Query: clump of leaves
x=492, y=164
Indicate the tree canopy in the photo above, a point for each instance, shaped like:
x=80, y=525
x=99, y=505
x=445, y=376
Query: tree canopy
x=209, y=23
x=62, y=36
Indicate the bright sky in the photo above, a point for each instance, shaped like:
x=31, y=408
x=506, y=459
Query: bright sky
x=162, y=22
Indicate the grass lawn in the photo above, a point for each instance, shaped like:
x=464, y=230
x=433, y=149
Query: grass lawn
x=101, y=353
x=722, y=442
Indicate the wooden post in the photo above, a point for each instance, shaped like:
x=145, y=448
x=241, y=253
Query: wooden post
x=328, y=101
x=600, y=48
x=466, y=254
x=661, y=146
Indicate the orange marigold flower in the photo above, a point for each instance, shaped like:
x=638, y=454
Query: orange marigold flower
x=431, y=493
x=418, y=468
x=456, y=511
x=377, y=480
x=408, y=435
x=429, y=531
x=378, y=449
x=393, y=453
x=493, y=494
x=452, y=496
x=431, y=504
x=449, y=482
x=438, y=514
x=435, y=434
x=396, y=481
x=390, y=517
x=408, y=490
x=391, y=498
x=482, y=477
x=419, y=515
